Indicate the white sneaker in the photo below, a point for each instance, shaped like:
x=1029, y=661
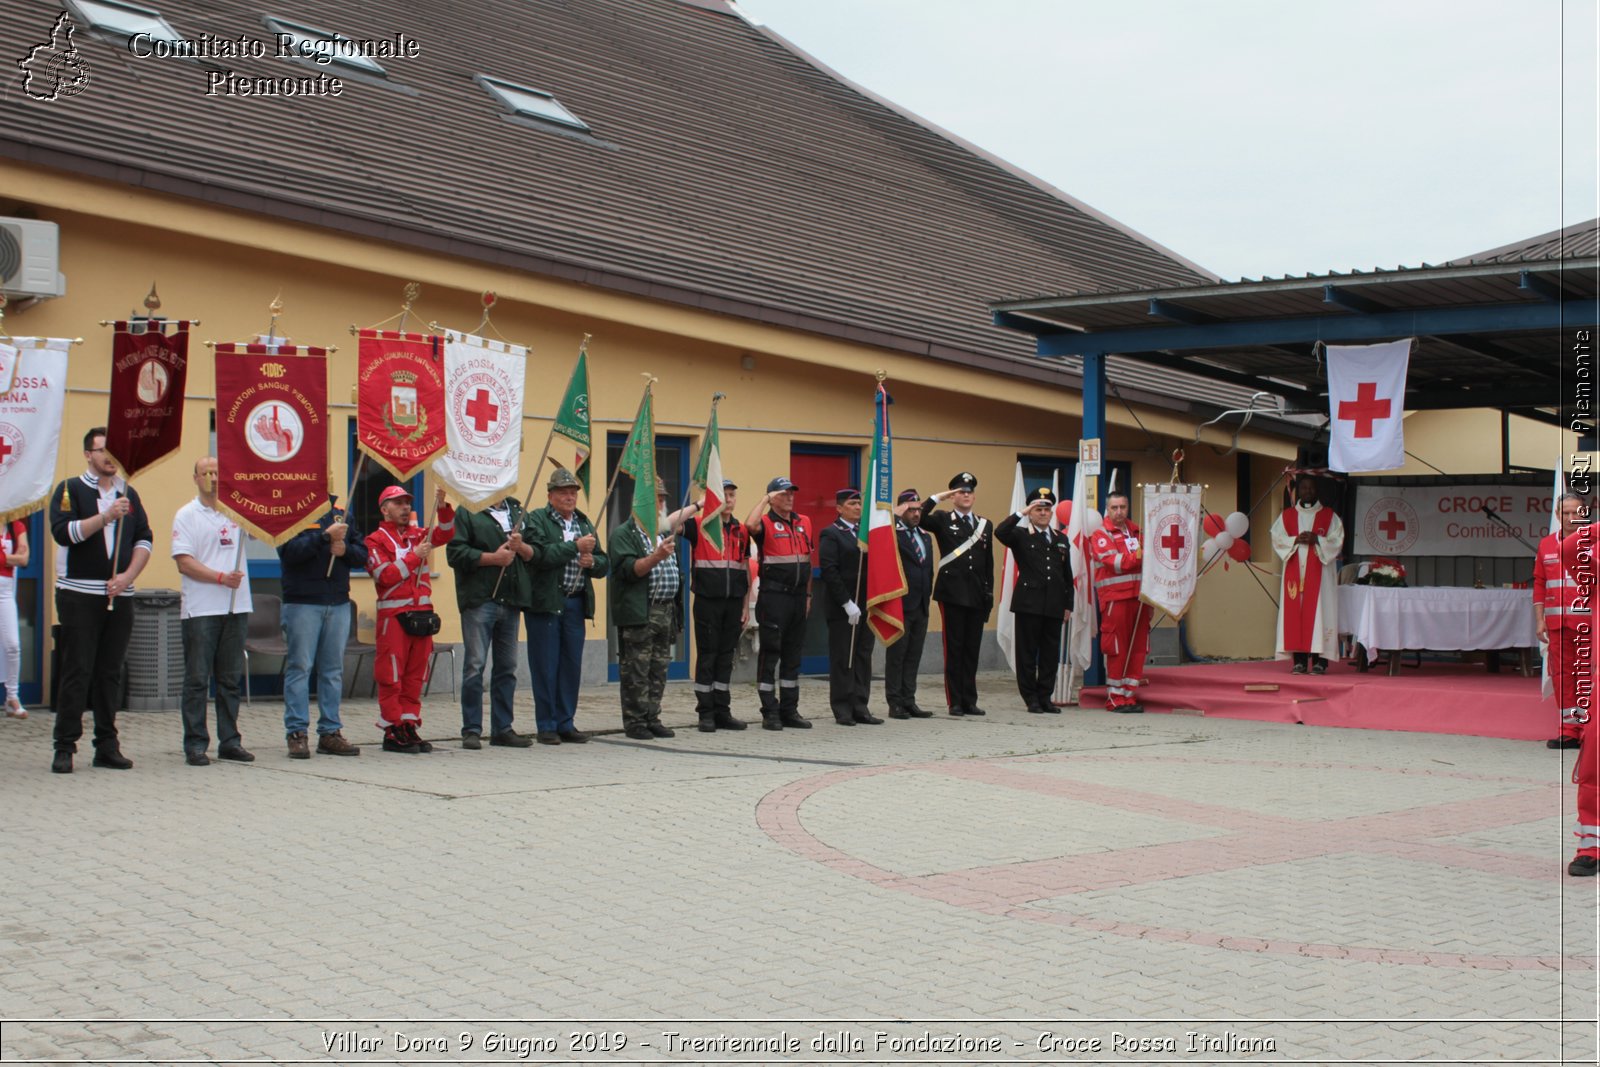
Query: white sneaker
x=14, y=710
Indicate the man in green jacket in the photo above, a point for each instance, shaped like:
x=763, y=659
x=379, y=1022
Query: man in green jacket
x=647, y=606
x=493, y=588
x=566, y=559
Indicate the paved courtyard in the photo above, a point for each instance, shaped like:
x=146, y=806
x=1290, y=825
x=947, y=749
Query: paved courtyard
x=1018, y=888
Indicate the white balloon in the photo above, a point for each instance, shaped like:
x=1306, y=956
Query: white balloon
x=1223, y=541
x=1237, y=524
x=1208, y=552
x=1092, y=522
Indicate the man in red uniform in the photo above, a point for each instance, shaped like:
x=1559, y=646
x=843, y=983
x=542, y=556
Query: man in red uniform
x=1118, y=555
x=397, y=559
x=1577, y=554
x=1562, y=619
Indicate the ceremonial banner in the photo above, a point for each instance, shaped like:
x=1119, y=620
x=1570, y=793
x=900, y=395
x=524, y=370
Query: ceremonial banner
x=30, y=422
x=400, y=399
x=708, y=476
x=272, y=437
x=1085, y=613
x=1366, y=402
x=880, y=548
x=1172, y=540
x=572, y=421
x=8, y=367
x=639, y=463
x=148, y=371
x=1449, y=520
x=1005, y=627
x=483, y=401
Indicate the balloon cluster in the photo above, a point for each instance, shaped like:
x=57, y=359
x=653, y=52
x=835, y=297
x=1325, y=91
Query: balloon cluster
x=1225, y=535
x=1064, y=518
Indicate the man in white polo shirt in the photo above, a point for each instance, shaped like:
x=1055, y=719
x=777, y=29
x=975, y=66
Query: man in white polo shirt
x=216, y=610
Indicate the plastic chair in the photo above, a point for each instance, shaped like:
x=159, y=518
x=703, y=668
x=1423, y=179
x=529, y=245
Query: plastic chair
x=264, y=635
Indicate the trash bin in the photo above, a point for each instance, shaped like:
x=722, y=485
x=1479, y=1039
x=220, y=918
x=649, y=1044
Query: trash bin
x=154, y=669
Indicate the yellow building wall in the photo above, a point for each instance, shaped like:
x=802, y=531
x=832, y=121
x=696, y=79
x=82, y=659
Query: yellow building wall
x=1469, y=442
x=782, y=386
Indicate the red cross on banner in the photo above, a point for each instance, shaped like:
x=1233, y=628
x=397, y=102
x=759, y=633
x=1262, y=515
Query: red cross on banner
x=5, y=450
x=1365, y=410
x=1173, y=540
x=1392, y=526
x=482, y=411
x=1366, y=402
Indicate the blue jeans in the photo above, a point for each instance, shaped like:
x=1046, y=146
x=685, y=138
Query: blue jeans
x=555, y=660
x=316, y=635
x=213, y=648
x=488, y=629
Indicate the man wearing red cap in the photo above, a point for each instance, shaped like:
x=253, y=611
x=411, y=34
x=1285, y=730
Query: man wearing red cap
x=1577, y=557
x=1562, y=619
x=397, y=559
x=1118, y=555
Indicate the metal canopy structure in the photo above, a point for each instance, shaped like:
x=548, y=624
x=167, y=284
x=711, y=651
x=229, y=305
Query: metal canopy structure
x=1489, y=334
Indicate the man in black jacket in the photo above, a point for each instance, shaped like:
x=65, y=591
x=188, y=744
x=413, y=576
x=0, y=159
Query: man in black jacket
x=964, y=587
x=316, y=624
x=849, y=642
x=1042, y=597
x=905, y=655
x=720, y=581
x=98, y=519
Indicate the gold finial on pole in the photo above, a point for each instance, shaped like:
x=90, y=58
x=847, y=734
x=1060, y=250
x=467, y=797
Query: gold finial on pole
x=276, y=308
x=882, y=375
x=413, y=290
x=1177, y=464
x=152, y=300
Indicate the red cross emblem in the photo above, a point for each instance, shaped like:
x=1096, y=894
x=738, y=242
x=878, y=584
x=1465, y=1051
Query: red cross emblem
x=5, y=449
x=1173, y=540
x=1365, y=409
x=1391, y=526
x=482, y=411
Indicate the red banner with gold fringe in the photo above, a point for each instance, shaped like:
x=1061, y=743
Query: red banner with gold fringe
x=148, y=371
x=400, y=414
x=272, y=437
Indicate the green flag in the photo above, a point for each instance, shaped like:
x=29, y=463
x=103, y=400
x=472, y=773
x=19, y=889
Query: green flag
x=639, y=463
x=572, y=421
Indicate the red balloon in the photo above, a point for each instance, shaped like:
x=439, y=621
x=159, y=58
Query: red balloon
x=1239, y=550
x=1214, y=524
x=1064, y=513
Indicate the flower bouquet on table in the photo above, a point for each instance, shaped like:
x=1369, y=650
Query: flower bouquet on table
x=1387, y=573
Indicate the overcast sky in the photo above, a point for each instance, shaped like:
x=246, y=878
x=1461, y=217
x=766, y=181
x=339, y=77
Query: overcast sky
x=1254, y=136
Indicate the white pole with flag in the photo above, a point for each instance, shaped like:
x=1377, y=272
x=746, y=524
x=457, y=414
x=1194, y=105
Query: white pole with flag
x=1085, y=615
x=1005, y=627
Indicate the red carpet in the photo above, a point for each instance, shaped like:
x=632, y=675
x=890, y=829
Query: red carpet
x=1437, y=698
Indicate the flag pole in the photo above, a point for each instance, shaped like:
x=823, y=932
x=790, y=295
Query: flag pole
x=861, y=567
x=116, y=547
x=605, y=504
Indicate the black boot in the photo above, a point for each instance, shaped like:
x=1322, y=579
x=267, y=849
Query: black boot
x=725, y=720
x=770, y=720
x=708, y=722
x=62, y=764
x=110, y=755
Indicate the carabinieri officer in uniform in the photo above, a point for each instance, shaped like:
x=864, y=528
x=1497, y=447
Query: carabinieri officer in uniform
x=963, y=585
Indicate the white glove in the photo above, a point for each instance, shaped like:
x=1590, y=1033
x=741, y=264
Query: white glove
x=852, y=611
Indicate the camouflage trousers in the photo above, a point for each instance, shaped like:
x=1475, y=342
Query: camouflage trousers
x=642, y=659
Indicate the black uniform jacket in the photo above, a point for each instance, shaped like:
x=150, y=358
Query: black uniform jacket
x=1044, y=568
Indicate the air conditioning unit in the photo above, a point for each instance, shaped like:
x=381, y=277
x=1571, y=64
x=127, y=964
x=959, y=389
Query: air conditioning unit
x=30, y=257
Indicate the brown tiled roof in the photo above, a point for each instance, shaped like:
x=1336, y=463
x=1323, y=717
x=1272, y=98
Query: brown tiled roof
x=724, y=169
x=1573, y=242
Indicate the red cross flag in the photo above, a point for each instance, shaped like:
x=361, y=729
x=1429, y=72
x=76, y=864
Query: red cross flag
x=483, y=418
x=1172, y=543
x=1366, y=402
x=30, y=421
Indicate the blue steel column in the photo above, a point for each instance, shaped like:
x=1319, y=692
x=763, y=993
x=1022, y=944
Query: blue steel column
x=1094, y=426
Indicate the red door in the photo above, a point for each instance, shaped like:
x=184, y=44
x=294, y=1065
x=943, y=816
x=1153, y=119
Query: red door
x=820, y=472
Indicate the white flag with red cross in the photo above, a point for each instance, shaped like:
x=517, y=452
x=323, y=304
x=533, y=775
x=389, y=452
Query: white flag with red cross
x=1171, y=547
x=1366, y=406
x=483, y=386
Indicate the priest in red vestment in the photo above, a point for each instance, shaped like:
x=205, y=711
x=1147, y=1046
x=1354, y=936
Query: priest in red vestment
x=1308, y=538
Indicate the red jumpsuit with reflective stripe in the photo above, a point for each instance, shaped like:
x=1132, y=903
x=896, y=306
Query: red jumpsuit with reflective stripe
x=1576, y=555
x=1567, y=624
x=400, y=663
x=1118, y=557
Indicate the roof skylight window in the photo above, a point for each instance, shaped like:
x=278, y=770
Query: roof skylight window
x=534, y=102
x=324, y=46
x=124, y=20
